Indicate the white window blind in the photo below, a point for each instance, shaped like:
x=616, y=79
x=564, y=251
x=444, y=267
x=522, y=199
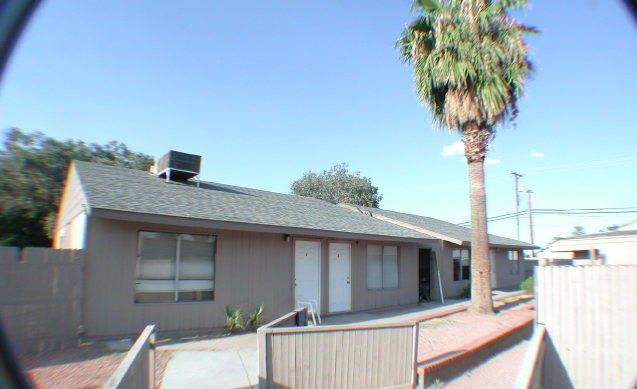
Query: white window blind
x=175, y=267
x=390, y=266
x=375, y=267
x=382, y=267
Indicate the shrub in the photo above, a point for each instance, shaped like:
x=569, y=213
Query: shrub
x=233, y=318
x=528, y=286
x=253, y=318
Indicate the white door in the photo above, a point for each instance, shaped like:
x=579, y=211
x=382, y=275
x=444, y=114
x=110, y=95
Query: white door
x=340, y=287
x=307, y=271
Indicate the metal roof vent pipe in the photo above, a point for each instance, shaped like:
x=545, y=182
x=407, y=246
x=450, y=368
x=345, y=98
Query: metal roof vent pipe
x=178, y=166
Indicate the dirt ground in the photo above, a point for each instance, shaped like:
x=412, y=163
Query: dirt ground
x=86, y=367
x=499, y=372
x=451, y=332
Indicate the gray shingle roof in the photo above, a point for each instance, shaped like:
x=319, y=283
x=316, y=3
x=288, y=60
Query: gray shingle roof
x=113, y=188
x=449, y=229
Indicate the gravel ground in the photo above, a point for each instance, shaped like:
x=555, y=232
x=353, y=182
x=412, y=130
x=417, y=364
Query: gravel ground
x=86, y=367
x=499, y=372
x=451, y=332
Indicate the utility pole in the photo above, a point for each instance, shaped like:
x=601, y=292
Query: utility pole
x=528, y=193
x=517, y=201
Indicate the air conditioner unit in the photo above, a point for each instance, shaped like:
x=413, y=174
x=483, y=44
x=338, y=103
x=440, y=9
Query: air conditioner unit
x=178, y=166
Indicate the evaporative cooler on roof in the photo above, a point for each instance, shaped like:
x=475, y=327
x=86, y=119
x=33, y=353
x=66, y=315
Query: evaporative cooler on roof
x=178, y=166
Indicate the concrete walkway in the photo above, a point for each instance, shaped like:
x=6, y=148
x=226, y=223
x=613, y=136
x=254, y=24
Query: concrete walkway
x=406, y=313
x=221, y=369
x=217, y=363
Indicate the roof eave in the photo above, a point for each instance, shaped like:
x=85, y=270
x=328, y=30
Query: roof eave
x=243, y=226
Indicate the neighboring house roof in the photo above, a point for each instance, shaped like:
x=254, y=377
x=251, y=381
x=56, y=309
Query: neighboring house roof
x=119, y=189
x=134, y=191
x=440, y=229
x=608, y=234
x=629, y=226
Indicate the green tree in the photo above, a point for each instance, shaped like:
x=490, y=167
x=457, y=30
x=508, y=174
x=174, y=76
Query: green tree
x=33, y=168
x=470, y=66
x=577, y=231
x=338, y=186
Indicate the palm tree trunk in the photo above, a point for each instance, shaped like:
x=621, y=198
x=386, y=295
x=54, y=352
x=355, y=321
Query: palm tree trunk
x=481, y=300
x=476, y=138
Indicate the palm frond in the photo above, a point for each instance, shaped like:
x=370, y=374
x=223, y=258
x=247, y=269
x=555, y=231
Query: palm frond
x=470, y=61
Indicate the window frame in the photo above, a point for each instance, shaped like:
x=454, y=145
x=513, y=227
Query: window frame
x=458, y=270
x=174, y=283
x=514, y=267
x=383, y=262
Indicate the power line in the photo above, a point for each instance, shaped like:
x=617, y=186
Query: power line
x=545, y=169
x=562, y=212
x=581, y=165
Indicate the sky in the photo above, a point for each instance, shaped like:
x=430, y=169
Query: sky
x=267, y=91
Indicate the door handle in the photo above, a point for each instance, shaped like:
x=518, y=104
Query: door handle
x=348, y=282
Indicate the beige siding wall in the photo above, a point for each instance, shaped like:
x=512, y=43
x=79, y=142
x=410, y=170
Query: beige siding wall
x=251, y=268
x=407, y=292
x=437, y=251
x=69, y=229
x=503, y=269
x=450, y=287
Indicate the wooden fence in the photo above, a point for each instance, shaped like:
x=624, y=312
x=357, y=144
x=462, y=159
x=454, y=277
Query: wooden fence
x=590, y=315
x=296, y=318
x=137, y=370
x=41, y=298
x=325, y=357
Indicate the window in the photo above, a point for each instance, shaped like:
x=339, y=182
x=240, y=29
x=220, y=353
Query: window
x=461, y=265
x=514, y=260
x=382, y=267
x=174, y=267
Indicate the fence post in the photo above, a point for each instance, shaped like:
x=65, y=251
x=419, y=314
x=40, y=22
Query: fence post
x=129, y=375
x=151, y=360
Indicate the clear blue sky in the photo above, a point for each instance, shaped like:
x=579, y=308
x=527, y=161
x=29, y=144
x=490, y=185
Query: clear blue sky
x=265, y=91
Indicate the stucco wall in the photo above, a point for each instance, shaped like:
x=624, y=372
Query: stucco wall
x=620, y=252
x=616, y=250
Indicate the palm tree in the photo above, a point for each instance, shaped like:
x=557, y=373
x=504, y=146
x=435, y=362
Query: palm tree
x=470, y=67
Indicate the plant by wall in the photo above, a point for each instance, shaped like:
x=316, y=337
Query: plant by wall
x=254, y=317
x=233, y=318
x=528, y=285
